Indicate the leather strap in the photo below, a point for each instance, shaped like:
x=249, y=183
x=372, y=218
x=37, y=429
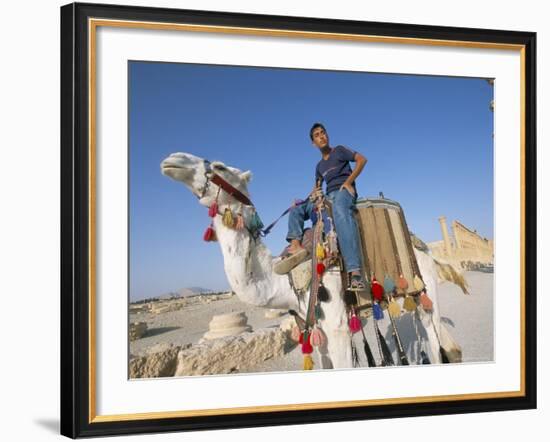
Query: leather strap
x=235, y=193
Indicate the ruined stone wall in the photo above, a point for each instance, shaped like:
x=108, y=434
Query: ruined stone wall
x=467, y=248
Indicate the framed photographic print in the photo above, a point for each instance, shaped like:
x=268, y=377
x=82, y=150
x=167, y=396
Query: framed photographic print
x=273, y=220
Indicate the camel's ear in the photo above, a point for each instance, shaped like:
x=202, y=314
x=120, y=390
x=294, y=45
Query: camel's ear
x=246, y=176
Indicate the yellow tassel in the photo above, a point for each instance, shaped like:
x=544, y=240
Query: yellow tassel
x=409, y=304
x=227, y=219
x=418, y=284
x=320, y=251
x=394, y=309
x=308, y=362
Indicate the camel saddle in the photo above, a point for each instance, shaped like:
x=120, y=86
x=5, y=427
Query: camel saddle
x=386, y=245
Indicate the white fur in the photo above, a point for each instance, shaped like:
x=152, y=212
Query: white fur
x=249, y=269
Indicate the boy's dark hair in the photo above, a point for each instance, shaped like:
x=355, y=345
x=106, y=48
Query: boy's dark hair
x=315, y=126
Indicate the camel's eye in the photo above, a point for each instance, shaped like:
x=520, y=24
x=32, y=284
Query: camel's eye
x=219, y=166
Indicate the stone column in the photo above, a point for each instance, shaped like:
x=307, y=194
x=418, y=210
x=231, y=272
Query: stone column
x=456, y=234
x=228, y=324
x=444, y=231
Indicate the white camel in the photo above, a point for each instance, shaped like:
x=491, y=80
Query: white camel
x=248, y=265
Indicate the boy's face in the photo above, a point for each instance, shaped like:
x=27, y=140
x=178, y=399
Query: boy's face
x=320, y=137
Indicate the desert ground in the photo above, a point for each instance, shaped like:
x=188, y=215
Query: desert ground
x=183, y=322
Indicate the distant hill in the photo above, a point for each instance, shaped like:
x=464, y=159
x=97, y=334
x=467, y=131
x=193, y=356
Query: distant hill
x=184, y=293
x=192, y=291
x=199, y=290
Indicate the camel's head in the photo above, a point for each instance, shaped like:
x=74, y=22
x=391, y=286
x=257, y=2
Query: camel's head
x=194, y=171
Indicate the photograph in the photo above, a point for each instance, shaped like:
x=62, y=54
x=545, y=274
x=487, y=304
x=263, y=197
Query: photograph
x=297, y=219
x=263, y=221
x=273, y=220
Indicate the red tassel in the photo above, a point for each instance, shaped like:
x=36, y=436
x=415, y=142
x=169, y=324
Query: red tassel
x=213, y=210
x=307, y=348
x=354, y=324
x=320, y=268
x=209, y=234
x=377, y=290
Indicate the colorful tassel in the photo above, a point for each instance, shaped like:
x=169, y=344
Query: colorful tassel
x=418, y=283
x=409, y=304
x=326, y=223
x=209, y=234
x=377, y=290
x=354, y=323
x=320, y=252
x=239, y=224
x=320, y=268
x=227, y=219
x=318, y=312
x=389, y=285
x=295, y=334
x=308, y=362
x=306, y=343
x=255, y=223
x=425, y=301
x=213, y=210
x=402, y=283
x=322, y=293
x=350, y=298
x=394, y=309
x=377, y=311
x=318, y=338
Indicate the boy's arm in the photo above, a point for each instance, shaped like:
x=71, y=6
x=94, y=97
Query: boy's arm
x=361, y=161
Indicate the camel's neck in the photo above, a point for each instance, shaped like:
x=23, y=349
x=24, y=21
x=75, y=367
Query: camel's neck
x=248, y=266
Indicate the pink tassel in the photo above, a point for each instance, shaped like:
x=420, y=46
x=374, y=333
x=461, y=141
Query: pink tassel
x=239, y=225
x=295, y=334
x=354, y=324
x=210, y=234
x=425, y=301
x=318, y=338
x=402, y=283
x=213, y=210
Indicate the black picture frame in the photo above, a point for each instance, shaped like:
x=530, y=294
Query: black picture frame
x=77, y=415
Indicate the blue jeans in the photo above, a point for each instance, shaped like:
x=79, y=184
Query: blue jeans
x=343, y=208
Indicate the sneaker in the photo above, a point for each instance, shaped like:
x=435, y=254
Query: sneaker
x=287, y=263
x=356, y=284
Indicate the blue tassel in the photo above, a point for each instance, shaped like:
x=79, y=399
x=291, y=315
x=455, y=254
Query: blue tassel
x=377, y=311
x=389, y=285
x=326, y=223
x=255, y=223
x=318, y=312
x=314, y=217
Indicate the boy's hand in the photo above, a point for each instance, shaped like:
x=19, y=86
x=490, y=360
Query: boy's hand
x=348, y=187
x=317, y=192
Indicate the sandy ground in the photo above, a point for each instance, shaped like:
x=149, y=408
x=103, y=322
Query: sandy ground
x=469, y=318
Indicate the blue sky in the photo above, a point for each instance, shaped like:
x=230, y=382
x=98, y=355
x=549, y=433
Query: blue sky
x=428, y=141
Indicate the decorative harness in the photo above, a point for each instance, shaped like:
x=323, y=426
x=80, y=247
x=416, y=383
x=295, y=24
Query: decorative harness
x=254, y=224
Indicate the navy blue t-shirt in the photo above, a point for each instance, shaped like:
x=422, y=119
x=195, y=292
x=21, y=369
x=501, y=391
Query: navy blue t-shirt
x=335, y=170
